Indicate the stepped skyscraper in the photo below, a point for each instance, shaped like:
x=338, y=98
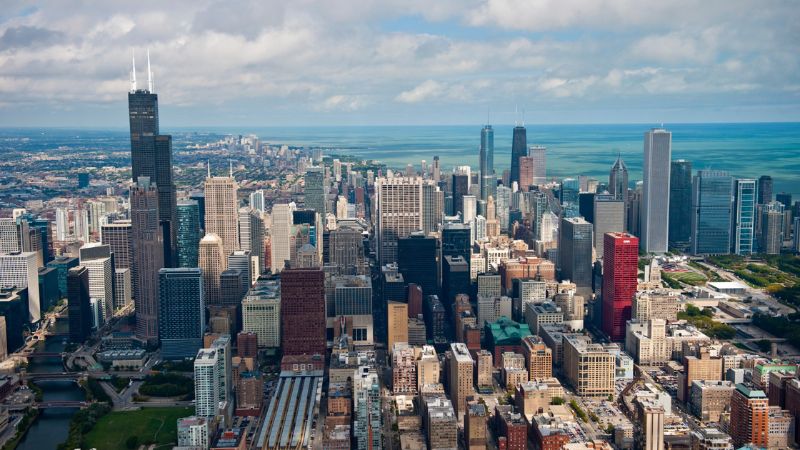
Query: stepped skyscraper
x=488, y=179
x=151, y=157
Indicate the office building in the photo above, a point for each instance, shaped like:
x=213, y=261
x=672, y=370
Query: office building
x=222, y=211
x=148, y=257
x=539, y=155
x=207, y=376
x=538, y=357
x=258, y=201
x=281, y=235
x=251, y=240
x=80, y=313
x=188, y=233
x=749, y=420
x=764, y=189
x=700, y=367
x=62, y=264
x=303, y=312
x=404, y=369
x=242, y=260
x=455, y=278
x=744, y=216
x=118, y=235
x=488, y=180
x=608, y=216
x=652, y=425
x=20, y=270
x=418, y=259
x=710, y=439
x=261, y=313
x=656, y=190
x=460, y=371
x=314, y=189
x=771, y=235
x=711, y=212
x=656, y=304
x=512, y=429
x=212, y=261
x=98, y=259
x=441, y=422
x=460, y=187
x=397, y=321
x=475, y=434
x=575, y=253
x=589, y=367
x=519, y=149
x=181, y=312
x=620, y=280
x=618, y=180
x=151, y=159
x=709, y=399
x=367, y=429
x=404, y=205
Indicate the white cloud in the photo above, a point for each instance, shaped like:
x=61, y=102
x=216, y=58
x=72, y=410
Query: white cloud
x=425, y=91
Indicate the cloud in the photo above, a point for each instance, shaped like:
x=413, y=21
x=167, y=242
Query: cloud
x=27, y=36
x=426, y=90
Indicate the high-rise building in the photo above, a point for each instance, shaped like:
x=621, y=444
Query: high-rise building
x=460, y=189
x=261, y=312
x=700, y=367
x=303, y=312
x=711, y=212
x=98, y=259
x=488, y=182
x=539, y=163
x=251, y=239
x=367, y=408
x=538, y=357
x=461, y=376
x=620, y=279
x=749, y=422
x=618, y=180
x=222, y=211
x=744, y=214
x=656, y=189
x=281, y=235
x=20, y=270
x=771, y=235
x=397, y=321
x=401, y=210
x=9, y=236
x=182, y=312
x=589, y=367
x=575, y=253
x=213, y=262
x=680, y=204
x=200, y=198
x=193, y=432
x=608, y=216
x=315, y=189
x=62, y=224
x=62, y=264
x=257, y=201
x=148, y=256
x=151, y=158
x=346, y=250
x=764, y=189
x=519, y=148
x=652, y=426
x=188, y=233
x=419, y=260
x=80, y=312
x=119, y=237
x=207, y=376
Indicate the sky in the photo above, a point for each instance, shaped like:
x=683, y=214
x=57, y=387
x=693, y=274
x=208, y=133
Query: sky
x=401, y=62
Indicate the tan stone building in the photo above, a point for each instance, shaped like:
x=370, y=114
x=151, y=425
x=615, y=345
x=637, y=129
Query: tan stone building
x=589, y=367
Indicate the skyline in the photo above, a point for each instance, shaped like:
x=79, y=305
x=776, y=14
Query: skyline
x=381, y=63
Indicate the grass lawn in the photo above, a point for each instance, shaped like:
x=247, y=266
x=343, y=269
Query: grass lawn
x=691, y=278
x=149, y=425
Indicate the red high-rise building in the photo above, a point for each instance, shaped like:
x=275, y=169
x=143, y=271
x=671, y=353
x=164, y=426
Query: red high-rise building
x=749, y=417
x=620, y=278
x=303, y=312
x=414, y=300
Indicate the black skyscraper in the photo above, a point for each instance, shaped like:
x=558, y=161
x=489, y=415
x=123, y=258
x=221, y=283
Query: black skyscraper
x=456, y=240
x=764, y=189
x=519, y=148
x=80, y=310
x=680, y=204
x=418, y=261
x=151, y=156
x=460, y=189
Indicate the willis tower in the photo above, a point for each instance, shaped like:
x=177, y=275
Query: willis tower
x=151, y=157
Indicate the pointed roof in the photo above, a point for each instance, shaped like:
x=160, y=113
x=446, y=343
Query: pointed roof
x=619, y=164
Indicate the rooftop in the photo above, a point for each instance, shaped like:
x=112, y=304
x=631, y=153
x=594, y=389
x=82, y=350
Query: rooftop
x=507, y=332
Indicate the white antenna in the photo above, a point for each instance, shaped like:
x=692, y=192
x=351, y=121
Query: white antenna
x=133, y=71
x=230, y=168
x=149, y=74
x=208, y=164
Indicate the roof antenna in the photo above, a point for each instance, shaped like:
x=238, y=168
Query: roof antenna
x=149, y=74
x=133, y=71
x=230, y=168
x=208, y=164
x=516, y=115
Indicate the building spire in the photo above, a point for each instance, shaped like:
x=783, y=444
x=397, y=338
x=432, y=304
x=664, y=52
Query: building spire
x=208, y=165
x=149, y=73
x=133, y=71
x=230, y=168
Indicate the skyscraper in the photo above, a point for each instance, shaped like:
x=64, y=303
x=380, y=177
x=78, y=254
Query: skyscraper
x=575, y=253
x=222, y=211
x=764, y=189
x=119, y=238
x=539, y=155
x=618, y=180
x=148, y=256
x=281, y=235
x=213, y=262
x=655, y=192
x=608, y=215
x=419, y=260
x=460, y=189
x=519, y=148
x=315, y=189
x=680, y=204
x=749, y=417
x=744, y=215
x=251, y=238
x=151, y=157
x=711, y=212
x=488, y=177
x=80, y=313
x=98, y=259
x=620, y=279
x=303, y=312
x=207, y=376
x=257, y=201
x=181, y=312
x=771, y=236
x=401, y=210
x=188, y=233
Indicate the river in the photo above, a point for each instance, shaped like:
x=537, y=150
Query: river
x=52, y=426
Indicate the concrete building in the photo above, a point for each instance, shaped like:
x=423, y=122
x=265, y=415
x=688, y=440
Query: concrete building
x=475, y=434
x=442, y=424
x=701, y=367
x=545, y=313
x=397, y=313
x=404, y=369
x=281, y=235
x=461, y=376
x=620, y=280
x=710, y=439
x=98, y=259
x=647, y=342
x=181, y=312
x=656, y=304
x=652, y=425
x=367, y=423
x=609, y=216
x=403, y=204
x=261, y=313
x=709, y=399
x=655, y=190
x=575, y=253
x=538, y=357
x=303, y=312
x=428, y=367
x=589, y=367
x=213, y=261
x=222, y=211
x=207, y=378
x=20, y=270
x=749, y=420
x=193, y=432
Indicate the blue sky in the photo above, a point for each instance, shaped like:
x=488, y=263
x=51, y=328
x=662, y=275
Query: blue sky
x=362, y=62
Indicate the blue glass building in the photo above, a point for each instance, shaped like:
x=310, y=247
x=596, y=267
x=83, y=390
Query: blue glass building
x=711, y=212
x=181, y=308
x=745, y=195
x=188, y=233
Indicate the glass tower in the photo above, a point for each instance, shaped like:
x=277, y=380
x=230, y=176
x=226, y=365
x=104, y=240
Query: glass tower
x=680, y=204
x=488, y=183
x=743, y=224
x=188, y=233
x=711, y=212
x=519, y=148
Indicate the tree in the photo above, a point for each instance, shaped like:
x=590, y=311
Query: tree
x=132, y=442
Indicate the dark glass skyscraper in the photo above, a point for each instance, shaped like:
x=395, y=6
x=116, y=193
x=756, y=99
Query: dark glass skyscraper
x=680, y=204
x=188, y=233
x=618, y=180
x=488, y=179
x=519, y=148
x=419, y=261
x=151, y=156
x=460, y=189
x=711, y=212
x=764, y=189
x=80, y=311
x=181, y=312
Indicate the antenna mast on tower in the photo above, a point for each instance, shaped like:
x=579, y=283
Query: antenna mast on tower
x=149, y=73
x=133, y=71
